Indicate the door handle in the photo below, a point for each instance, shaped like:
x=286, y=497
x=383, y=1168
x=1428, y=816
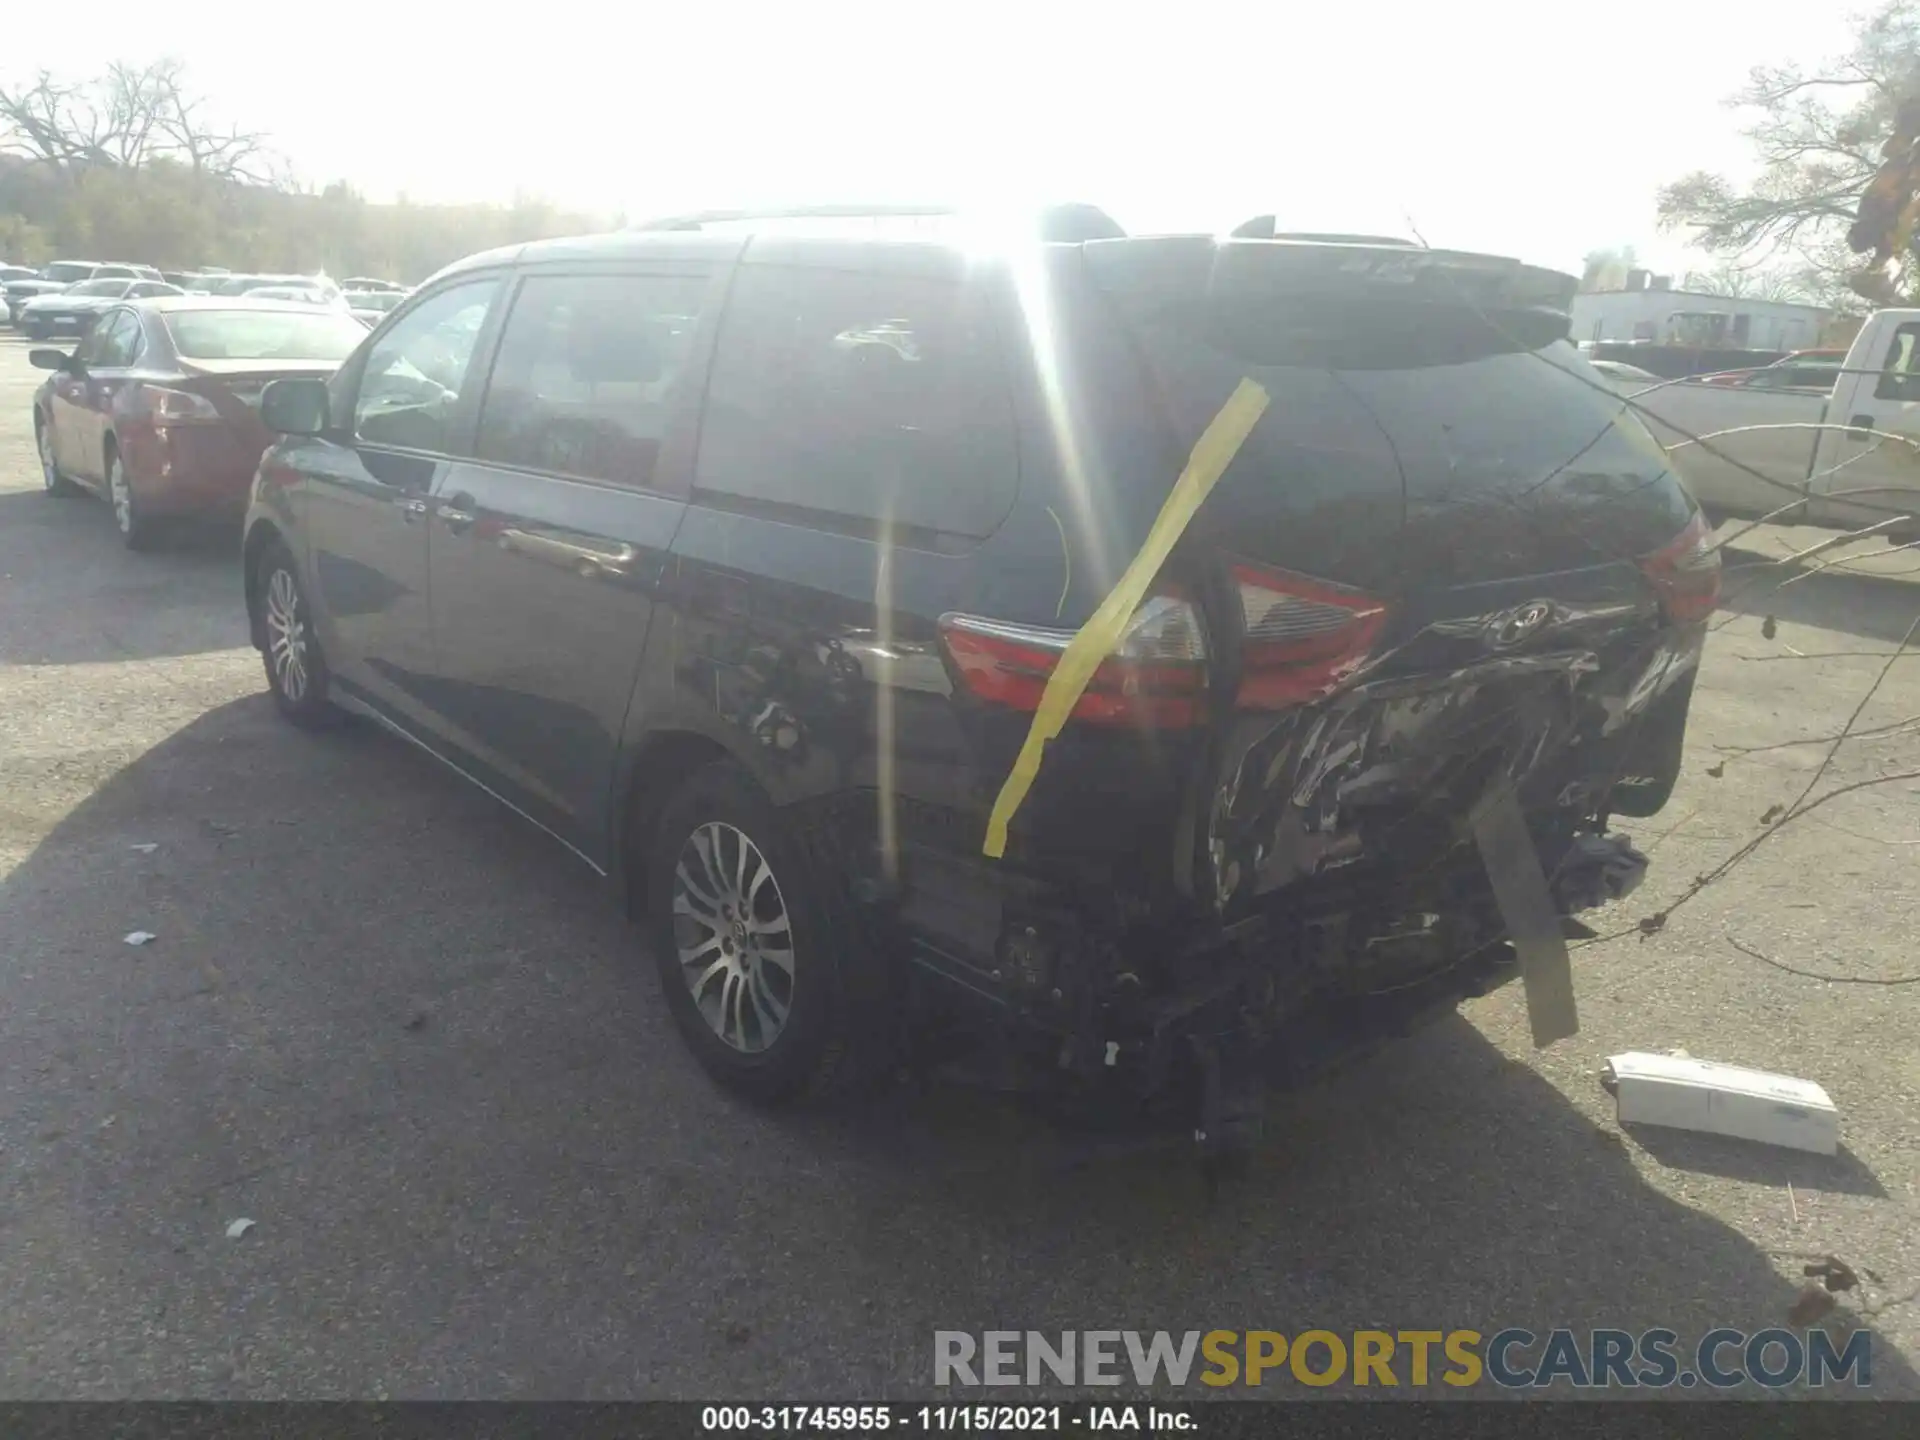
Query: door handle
x=411, y=509
x=458, y=511
x=1859, y=425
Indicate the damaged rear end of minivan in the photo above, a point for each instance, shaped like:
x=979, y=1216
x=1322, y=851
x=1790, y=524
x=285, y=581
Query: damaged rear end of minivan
x=1432, y=630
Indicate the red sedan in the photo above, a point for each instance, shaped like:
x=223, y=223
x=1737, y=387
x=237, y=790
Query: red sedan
x=157, y=409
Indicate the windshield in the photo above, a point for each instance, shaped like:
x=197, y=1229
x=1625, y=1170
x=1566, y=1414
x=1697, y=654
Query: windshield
x=66, y=271
x=101, y=287
x=381, y=300
x=257, y=335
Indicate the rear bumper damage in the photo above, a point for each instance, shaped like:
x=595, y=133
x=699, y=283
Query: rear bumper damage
x=1337, y=891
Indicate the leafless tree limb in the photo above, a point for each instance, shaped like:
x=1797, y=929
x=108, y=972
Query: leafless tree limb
x=128, y=117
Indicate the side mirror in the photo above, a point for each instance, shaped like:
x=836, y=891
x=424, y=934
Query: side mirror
x=50, y=359
x=295, y=407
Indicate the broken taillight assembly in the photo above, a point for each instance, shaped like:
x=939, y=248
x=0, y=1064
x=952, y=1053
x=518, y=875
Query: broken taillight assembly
x=1156, y=675
x=1302, y=638
x=1686, y=572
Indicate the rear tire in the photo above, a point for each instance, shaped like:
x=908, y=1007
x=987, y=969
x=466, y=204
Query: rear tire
x=137, y=528
x=766, y=977
x=297, y=674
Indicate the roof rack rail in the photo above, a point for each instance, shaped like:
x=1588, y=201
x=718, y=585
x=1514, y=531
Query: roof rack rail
x=1265, y=227
x=695, y=220
x=1069, y=222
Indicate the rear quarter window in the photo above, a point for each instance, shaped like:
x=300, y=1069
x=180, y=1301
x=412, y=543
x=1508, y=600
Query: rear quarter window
x=876, y=398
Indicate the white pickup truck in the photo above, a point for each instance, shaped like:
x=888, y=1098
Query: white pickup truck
x=1853, y=452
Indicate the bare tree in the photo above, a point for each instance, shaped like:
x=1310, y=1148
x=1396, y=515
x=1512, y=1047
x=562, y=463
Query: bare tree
x=1816, y=134
x=1751, y=282
x=50, y=121
x=132, y=115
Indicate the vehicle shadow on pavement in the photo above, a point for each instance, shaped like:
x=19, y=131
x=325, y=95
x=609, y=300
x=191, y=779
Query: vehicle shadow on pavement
x=1877, y=608
x=1440, y=1180
x=407, y=1038
x=1843, y=1173
x=75, y=595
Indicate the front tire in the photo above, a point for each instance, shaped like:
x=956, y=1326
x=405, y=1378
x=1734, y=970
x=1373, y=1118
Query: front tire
x=766, y=992
x=51, y=480
x=297, y=674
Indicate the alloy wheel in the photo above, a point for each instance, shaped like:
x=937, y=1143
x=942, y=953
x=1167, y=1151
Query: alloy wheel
x=734, y=937
x=49, y=472
x=286, y=636
x=122, y=495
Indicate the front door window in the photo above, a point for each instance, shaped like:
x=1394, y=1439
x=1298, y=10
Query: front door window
x=410, y=389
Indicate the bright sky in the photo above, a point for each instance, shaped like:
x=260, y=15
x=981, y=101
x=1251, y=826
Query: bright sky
x=1523, y=127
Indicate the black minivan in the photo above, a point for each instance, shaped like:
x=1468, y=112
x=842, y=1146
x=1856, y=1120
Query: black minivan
x=760, y=569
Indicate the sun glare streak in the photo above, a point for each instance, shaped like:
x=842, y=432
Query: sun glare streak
x=1034, y=297
x=883, y=701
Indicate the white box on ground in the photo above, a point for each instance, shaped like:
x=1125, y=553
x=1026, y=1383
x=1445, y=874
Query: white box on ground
x=1688, y=1094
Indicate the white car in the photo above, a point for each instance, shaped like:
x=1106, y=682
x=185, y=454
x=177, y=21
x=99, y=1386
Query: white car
x=301, y=295
x=370, y=307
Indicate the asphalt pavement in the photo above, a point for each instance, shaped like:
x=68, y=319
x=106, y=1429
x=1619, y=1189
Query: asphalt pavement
x=405, y=1035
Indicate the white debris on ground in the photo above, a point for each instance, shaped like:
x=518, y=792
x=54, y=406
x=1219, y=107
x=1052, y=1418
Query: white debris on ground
x=1682, y=1093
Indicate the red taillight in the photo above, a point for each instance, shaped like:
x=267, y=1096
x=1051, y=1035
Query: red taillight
x=177, y=407
x=1157, y=675
x=1303, y=637
x=1686, y=572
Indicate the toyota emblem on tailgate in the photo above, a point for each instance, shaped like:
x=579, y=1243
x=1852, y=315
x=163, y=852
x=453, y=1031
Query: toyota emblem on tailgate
x=1518, y=624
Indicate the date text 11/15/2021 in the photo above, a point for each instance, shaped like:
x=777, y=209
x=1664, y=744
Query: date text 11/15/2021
x=937, y=1419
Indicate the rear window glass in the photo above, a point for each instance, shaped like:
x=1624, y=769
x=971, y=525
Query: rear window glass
x=67, y=271
x=1521, y=440
x=875, y=397
x=1512, y=455
x=113, y=288
x=254, y=335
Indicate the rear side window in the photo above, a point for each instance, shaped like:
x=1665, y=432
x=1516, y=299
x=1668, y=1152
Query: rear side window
x=119, y=340
x=875, y=397
x=587, y=373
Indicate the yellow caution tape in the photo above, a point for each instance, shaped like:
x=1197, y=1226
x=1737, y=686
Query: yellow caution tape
x=1212, y=453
